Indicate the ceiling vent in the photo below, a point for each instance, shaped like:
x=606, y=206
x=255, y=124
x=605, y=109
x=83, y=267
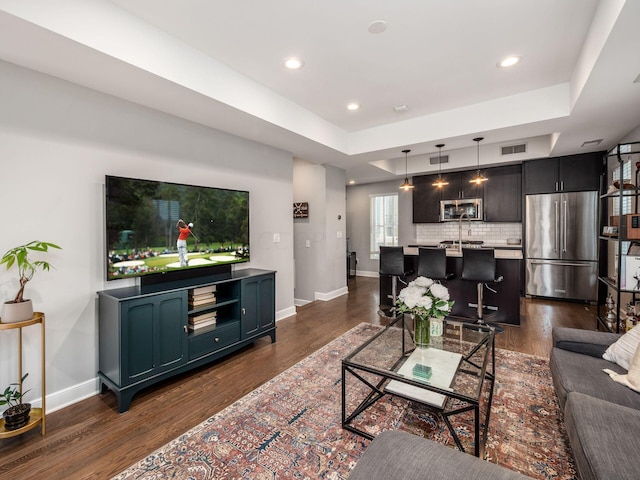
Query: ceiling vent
x=592, y=143
x=443, y=159
x=511, y=149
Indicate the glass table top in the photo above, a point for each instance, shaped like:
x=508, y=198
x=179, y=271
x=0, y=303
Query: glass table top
x=453, y=365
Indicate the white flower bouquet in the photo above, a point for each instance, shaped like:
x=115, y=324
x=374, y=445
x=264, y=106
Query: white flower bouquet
x=425, y=300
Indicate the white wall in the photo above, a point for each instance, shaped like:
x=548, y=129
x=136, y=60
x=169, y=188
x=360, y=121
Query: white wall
x=57, y=142
x=335, y=282
x=320, y=239
x=358, y=218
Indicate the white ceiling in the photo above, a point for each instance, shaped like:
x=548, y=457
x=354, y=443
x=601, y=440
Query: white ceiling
x=219, y=63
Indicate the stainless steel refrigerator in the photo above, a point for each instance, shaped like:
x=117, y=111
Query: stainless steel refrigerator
x=561, y=234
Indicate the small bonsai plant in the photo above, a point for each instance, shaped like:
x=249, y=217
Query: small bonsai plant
x=17, y=415
x=26, y=267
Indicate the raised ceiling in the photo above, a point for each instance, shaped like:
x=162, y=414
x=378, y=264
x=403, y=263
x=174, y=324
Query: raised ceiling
x=220, y=63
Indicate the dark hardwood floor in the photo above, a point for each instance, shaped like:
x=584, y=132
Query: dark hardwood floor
x=90, y=440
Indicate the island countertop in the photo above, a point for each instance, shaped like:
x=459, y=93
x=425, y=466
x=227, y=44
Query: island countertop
x=501, y=251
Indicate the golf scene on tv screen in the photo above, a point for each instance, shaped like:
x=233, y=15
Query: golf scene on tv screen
x=158, y=227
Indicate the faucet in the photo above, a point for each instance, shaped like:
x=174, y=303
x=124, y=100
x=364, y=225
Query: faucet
x=460, y=229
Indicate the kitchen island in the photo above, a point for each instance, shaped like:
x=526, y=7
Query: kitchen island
x=500, y=307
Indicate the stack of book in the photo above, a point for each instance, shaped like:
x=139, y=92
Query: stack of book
x=199, y=298
x=202, y=297
x=202, y=320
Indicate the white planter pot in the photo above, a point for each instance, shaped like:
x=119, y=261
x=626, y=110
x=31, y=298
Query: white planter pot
x=17, y=312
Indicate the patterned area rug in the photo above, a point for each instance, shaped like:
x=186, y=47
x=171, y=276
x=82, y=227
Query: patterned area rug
x=290, y=427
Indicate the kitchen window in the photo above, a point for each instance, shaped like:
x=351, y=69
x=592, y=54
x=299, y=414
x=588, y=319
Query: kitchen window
x=384, y=222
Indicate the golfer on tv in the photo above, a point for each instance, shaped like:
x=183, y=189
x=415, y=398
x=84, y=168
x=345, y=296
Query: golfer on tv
x=185, y=231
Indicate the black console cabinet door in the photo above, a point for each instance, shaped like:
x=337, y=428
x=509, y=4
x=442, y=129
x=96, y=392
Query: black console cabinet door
x=258, y=304
x=426, y=199
x=503, y=194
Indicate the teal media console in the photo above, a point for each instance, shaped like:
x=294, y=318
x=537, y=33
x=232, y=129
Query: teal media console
x=146, y=334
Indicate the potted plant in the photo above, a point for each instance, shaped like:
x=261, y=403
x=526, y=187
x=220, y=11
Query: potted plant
x=17, y=415
x=19, y=309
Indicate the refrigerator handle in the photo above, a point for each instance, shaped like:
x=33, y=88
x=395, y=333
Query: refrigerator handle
x=560, y=263
x=564, y=226
x=557, y=226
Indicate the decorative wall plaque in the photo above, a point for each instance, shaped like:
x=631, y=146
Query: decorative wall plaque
x=301, y=210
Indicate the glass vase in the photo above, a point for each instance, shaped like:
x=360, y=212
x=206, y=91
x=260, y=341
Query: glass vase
x=421, y=330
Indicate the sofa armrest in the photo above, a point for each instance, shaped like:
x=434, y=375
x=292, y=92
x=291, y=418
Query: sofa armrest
x=587, y=342
x=403, y=456
x=603, y=436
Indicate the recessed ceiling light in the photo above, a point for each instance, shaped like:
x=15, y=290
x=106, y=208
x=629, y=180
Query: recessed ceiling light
x=509, y=61
x=352, y=182
x=378, y=26
x=353, y=106
x=400, y=108
x=293, y=63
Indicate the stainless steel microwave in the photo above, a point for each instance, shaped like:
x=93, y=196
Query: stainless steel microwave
x=452, y=210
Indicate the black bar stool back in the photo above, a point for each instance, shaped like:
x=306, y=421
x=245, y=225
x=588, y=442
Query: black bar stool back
x=479, y=266
x=392, y=264
x=432, y=263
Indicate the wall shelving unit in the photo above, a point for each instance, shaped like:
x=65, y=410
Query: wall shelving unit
x=613, y=281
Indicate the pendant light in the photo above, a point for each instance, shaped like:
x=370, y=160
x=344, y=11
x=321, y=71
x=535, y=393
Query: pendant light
x=479, y=178
x=440, y=182
x=406, y=186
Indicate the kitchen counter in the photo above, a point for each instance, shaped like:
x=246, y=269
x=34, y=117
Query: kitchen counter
x=502, y=251
x=500, y=307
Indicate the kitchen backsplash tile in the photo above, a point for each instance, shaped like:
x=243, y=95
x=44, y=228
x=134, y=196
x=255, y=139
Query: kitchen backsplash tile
x=488, y=232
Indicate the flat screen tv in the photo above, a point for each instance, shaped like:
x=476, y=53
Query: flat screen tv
x=148, y=224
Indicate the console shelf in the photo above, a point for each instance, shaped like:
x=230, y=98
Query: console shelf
x=145, y=337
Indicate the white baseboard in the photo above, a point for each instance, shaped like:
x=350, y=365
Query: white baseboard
x=287, y=312
x=367, y=274
x=325, y=297
x=76, y=393
x=299, y=302
x=69, y=396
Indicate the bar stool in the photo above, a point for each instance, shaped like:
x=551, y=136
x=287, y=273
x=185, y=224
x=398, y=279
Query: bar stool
x=479, y=266
x=432, y=263
x=392, y=264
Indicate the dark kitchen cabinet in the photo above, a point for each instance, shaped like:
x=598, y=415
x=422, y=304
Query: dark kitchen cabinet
x=426, y=199
x=503, y=194
x=573, y=173
x=460, y=186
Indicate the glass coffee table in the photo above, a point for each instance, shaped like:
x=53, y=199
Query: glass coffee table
x=454, y=375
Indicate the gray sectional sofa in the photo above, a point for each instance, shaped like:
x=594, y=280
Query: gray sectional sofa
x=400, y=455
x=602, y=420
x=602, y=417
